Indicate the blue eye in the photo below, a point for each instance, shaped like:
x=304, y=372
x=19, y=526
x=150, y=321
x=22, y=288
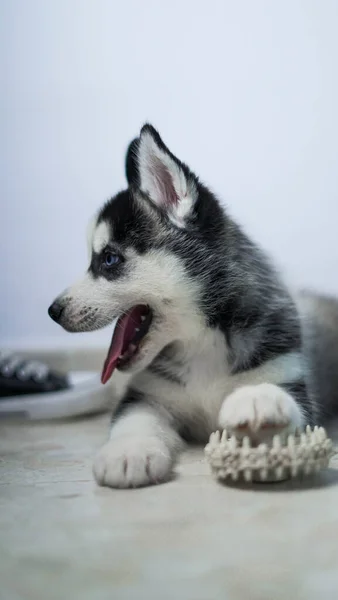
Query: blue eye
x=111, y=259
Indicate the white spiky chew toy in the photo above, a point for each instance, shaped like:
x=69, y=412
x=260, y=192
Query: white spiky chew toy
x=231, y=459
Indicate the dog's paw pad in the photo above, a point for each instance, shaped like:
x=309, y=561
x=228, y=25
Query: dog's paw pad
x=260, y=412
x=130, y=462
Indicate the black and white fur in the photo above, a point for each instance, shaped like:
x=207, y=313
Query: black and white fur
x=226, y=347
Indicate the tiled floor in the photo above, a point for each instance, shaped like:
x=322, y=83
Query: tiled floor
x=61, y=537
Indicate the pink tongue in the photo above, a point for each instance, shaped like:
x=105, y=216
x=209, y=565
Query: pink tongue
x=123, y=334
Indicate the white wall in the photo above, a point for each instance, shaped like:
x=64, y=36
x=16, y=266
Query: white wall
x=245, y=91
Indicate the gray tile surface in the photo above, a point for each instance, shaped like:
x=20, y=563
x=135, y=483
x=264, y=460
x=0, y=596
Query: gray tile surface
x=63, y=537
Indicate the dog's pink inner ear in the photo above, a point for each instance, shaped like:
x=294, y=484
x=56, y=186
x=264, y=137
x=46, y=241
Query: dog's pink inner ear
x=164, y=189
x=164, y=180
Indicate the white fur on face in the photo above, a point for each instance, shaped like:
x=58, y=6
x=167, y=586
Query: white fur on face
x=90, y=232
x=164, y=181
x=157, y=279
x=100, y=237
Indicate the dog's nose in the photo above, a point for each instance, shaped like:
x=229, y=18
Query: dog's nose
x=55, y=311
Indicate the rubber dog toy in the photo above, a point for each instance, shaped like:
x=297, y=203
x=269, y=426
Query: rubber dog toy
x=300, y=454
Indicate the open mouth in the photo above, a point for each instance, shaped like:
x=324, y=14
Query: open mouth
x=129, y=332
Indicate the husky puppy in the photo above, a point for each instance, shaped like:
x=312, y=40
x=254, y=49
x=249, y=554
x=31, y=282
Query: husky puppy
x=205, y=326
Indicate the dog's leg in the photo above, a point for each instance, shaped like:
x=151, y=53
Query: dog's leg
x=260, y=411
x=142, y=447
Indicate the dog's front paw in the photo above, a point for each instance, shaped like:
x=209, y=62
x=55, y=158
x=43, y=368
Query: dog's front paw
x=260, y=411
x=132, y=462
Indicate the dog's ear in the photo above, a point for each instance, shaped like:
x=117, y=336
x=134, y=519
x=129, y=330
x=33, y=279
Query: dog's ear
x=163, y=178
x=131, y=163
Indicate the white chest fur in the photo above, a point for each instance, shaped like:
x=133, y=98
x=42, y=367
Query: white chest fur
x=203, y=370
